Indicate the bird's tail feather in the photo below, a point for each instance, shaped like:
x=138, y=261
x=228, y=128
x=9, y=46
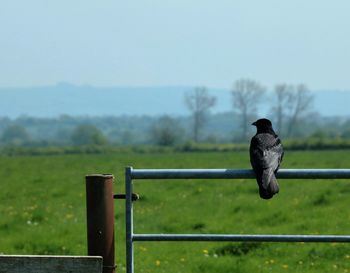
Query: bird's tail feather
x=269, y=185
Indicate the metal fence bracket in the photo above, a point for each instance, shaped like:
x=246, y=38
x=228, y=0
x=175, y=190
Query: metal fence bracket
x=134, y=196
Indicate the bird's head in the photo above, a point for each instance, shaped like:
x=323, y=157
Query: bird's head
x=263, y=125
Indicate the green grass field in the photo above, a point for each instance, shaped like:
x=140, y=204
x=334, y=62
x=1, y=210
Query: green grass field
x=42, y=208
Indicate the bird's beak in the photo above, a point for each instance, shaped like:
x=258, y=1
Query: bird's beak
x=254, y=123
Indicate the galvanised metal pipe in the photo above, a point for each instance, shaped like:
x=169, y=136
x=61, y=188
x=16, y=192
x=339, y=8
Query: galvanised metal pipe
x=237, y=173
x=129, y=221
x=241, y=238
x=100, y=218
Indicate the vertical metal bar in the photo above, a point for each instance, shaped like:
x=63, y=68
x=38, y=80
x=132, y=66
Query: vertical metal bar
x=129, y=221
x=100, y=219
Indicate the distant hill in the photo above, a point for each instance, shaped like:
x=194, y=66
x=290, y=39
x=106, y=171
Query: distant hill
x=64, y=98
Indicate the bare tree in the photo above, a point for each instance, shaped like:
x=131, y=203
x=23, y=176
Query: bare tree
x=283, y=94
x=199, y=103
x=246, y=95
x=301, y=102
x=166, y=131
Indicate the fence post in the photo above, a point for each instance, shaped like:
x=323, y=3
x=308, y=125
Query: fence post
x=100, y=219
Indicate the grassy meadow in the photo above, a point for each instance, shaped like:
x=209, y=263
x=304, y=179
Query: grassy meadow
x=42, y=208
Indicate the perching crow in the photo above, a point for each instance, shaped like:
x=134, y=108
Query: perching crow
x=266, y=153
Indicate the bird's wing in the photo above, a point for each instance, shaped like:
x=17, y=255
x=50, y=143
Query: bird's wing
x=266, y=152
x=272, y=157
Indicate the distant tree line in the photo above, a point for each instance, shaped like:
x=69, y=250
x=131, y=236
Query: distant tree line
x=82, y=135
x=288, y=106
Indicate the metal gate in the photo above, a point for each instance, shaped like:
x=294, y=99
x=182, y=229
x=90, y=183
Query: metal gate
x=132, y=174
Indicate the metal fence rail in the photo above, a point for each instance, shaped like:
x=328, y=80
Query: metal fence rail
x=235, y=173
x=240, y=238
x=131, y=174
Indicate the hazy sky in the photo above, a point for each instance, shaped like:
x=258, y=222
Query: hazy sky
x=175, y=42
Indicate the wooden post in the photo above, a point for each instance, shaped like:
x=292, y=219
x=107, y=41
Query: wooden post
x=100, y=219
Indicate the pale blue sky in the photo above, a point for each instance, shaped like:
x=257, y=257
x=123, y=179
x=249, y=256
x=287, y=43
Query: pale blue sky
x=175, y=42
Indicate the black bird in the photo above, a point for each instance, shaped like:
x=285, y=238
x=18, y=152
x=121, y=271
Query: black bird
x=266, y=153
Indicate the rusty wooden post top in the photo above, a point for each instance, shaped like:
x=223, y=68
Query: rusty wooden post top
x=96, y=175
